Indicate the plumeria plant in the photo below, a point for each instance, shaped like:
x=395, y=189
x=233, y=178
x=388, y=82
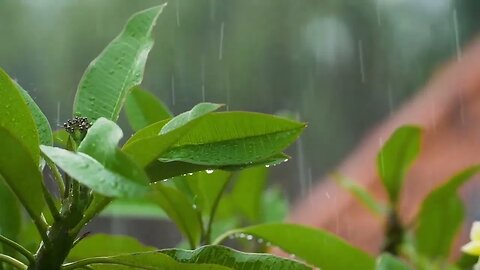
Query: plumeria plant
x=204, y=168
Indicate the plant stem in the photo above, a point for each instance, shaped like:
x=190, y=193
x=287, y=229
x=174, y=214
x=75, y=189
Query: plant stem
x=18, y=248
x=206, y=239
x=50, y=203
x=57, y=176
x=394, y=233
x=13, y=262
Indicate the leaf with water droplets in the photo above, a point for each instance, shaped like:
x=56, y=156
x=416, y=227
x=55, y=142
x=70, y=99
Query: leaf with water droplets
x=143, y=108
x=15, y=116
x=316, y=247
x=43, y=127
x=233, y=259
x=108, y=79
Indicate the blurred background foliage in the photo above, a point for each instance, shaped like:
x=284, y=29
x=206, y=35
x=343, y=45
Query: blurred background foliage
x=340, y=65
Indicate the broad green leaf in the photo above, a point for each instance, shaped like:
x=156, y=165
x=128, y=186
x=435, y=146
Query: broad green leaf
x=10, y=210
x=137, y=208
x=158, y=170
x=29, y=237
x=143, y=109
x=43, y=127
x=316, y=247
x=20, y=172
x=395, y=158
x=106, y=245
x=143, y=260
x=11, y=214
x=247, y=192
x=233, y=138
x=441, y=216
x=361, y=194
x=94, y=175
x=15, y=116
x=180, y=209
x=388, y=262
x=149, y=148
x=108, y=79
x=220, y=255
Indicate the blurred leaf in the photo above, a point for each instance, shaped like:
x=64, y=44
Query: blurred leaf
x=389, y=262
x=148, y=148
x=106, y=245
x=466, y=261
x=15, y=117
x=10, y=210
x=137, y=208
x=29, y=237
x=441, y=216
x=316, y=247
x=43, y=126
x=361, y=194
x=233, y=138
x=143, y=108
x=274, y=206
x=206, y=188
x=144, y=260
x=247, y=192
x=108, y=79
x=96, y=176
x=60, y=137
x=179, y=208
x=395, y=158
x=20, y=172
x=220, y=255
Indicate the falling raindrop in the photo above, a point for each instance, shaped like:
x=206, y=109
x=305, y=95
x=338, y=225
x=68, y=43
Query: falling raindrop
x=177, y=12
x=220, y=50
x=173, y=89
x=58, y=115
x=203, y=78
x=457, y=35
x=361, y=61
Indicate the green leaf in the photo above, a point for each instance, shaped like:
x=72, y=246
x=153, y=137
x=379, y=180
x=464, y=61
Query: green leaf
x=148, y=148
x=136, y=208
x=361, y=194
x=108, y=79
x=43, y=127
x=60, y=137
x=179, y=208
x=233, y=259
x=20, y=172
x=106, y=245
x=143, y=109
x=275, y=205
x=396, y=157
x=144, y=260
x=158, y=170
x=316, y=247
x=233, y=138
x=10, y=210
x=247, y=192
x=441, y=216
x=94, y=175
x=388, y=262
x=15, y=116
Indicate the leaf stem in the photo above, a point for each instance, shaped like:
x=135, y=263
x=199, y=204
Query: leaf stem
x=18, y=248
x=50, y=203
x=57, y=176
x=13, y=262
